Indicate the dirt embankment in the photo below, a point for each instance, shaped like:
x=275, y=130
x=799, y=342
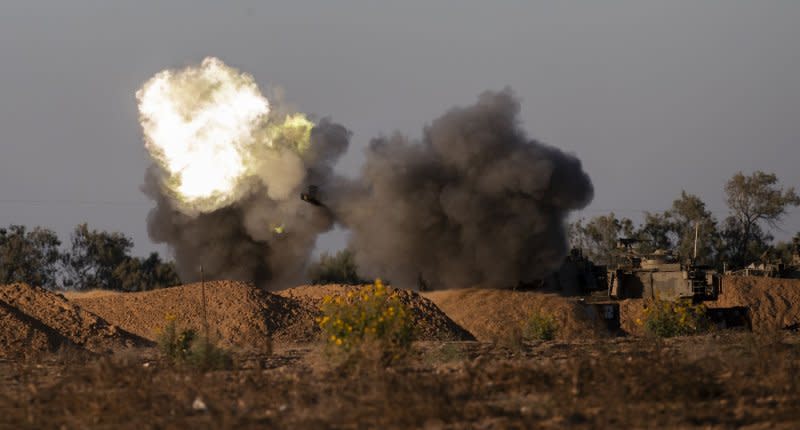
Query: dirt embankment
x=33, y=319
x=493, y=315
x=244, y=317
x=773, y=303
x=239, y=315
x=430, y=323
x=21, y=334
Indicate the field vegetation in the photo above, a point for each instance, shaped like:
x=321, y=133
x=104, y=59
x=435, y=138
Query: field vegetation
x=664, y=318
x=708, y=381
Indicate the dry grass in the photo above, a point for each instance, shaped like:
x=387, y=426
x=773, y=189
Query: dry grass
x=729, y=380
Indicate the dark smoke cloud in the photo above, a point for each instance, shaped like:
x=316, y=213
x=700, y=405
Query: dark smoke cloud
x=475, y=203
x=240, y=241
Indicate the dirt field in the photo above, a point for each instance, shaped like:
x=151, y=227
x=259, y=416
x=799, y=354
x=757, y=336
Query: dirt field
x=737, y=380
x=89, y=361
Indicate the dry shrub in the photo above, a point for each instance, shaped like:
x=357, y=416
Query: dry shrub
x=540, y=326
x=183, y=346
x=175, y=343
x=447, y=352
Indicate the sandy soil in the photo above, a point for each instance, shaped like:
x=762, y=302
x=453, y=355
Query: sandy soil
x=22, y=335
x=47, y=321
x=239, y=315
x=774, y=303
x=244, y=317
x=430, y=323
x=492, y=315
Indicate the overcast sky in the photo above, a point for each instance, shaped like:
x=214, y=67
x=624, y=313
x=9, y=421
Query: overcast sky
x=653, y=96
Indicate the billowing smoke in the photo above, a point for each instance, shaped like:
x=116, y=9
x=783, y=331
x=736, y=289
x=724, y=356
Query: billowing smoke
x=475, y=203
x=228, y=170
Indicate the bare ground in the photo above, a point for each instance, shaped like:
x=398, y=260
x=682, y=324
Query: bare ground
x=715, y=381
x=582, y=380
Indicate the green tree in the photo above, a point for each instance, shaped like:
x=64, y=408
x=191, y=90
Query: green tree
x=738, y=252
x=754, y=200
x=657, y=232
x=675, y=229
x=93, y=258
x=29, y=256
x=339, y=268
x=599, y=236
x=689, y=216
x=142, y=274
x=785, y=251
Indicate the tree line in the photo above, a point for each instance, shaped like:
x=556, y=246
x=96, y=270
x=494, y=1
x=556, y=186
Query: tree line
x=756, y=204
x=91, y=260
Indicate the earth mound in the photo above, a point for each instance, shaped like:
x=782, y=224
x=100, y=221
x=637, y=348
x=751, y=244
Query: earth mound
x=430, y=322
x=239, y=315
x=774, y=303
x=21, y=334
x=35, y=319
x=493, y=315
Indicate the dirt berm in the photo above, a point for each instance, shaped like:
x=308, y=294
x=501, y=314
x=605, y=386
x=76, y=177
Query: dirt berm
x=774, y=303
x=33, y=319
x=430, y=323
x=243, y=316
x=493, y=315
x=239, y=315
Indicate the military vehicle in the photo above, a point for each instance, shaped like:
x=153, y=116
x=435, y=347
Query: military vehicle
x=660, y=275
x=657, y=275
x=774, y=268
x=577, y=276
x=580, y=278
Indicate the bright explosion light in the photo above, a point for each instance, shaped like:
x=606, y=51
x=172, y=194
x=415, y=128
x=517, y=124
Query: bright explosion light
x=198, y=126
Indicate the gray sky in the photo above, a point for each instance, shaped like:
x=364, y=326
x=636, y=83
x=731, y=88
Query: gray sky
x=653, y=96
